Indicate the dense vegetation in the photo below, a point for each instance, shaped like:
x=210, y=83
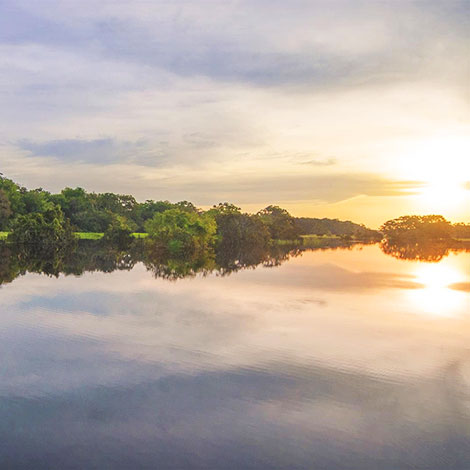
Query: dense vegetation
x=416, y=228
x=328, y=227
x=179, y=228
x=37, y=216
x=423, y=238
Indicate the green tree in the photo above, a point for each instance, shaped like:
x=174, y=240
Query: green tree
x=415, y=228
x=345, y=229
x=181, y=232
x=43, y=229
x=119, y=232
x=121, y=204
x=36, y=200
x=237, y=231
x=5, y=209
x=146, y=210
x=280, y=223
x=75, y=204
x=14, y=194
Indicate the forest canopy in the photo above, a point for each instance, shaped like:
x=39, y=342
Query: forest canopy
x=99, y=212
x=180, y=227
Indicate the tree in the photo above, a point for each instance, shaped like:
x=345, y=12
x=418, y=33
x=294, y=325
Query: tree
x=461, y=231
x=48, y=229
x=146, y=210
x=334, y=227
x=75, y=204
x=415, y=228
x=14, y=195
x=5, y=209
x=225, y=208
x=119, y=232
x=121, y=204
x=36, y=200
x=280, y=223
x=236, y=231
x=181, y=232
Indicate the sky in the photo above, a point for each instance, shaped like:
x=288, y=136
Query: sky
x=354, y=110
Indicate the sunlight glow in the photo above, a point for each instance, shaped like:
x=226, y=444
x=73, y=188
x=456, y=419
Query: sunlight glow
x=436, y=297
x=443, y=195
x=442, y=165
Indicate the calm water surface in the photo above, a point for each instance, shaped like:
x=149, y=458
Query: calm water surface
x=337, y=359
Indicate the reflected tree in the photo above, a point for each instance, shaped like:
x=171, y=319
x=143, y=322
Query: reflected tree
x=427, y=251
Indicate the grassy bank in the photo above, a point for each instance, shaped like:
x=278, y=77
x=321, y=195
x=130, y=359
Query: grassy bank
x=85, y=235
x=89, y=235
x=98, y=236
x=308, y=240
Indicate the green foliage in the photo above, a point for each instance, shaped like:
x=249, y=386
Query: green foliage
x=224, y=208
x=36, y=216
x=180, y=231
x=335, y=228
x=93, y=256
x=89, y=235
x=14, y=195
x=119, y=232
x=146, y=210
x=415, y=228
x=236, y=230
x=36, y=200
x=5, y=209
x=280, y=223
x=48, y=229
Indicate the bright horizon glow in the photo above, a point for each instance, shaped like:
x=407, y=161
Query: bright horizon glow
x=441, y=164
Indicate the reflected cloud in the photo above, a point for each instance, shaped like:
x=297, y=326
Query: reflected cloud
x=461, y=286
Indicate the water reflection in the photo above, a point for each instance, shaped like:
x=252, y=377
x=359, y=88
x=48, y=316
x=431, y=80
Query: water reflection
x=427, y=251
x=442, y=282
x=96, y=256
x=438, y=295
x=299, y=359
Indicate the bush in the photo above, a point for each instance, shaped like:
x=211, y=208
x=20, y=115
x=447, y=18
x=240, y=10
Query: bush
x=46, y=229
x=119, y=232
x=181, y=232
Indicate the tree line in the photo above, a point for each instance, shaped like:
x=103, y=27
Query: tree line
x=417, y=228
x=38, y=216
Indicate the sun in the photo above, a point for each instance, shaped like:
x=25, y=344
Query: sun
x=440, y=166
x=443, y=196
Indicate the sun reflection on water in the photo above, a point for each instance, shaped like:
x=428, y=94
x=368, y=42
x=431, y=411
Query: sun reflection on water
x=436, y=297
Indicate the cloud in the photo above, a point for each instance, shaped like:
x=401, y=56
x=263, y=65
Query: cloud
x=256, y=188
x=103, y=151
x=328, y=43
x=328, y=162
x=236, y=91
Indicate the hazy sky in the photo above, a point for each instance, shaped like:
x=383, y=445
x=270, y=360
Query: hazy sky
x=349, y=109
